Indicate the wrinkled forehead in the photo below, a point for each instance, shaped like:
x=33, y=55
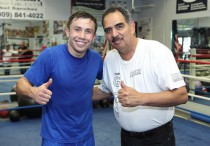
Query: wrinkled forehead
x=113, y=18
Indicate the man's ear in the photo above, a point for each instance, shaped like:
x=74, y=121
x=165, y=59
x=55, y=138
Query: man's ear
x=67, y=32
x=133, y=26
x=94, y=37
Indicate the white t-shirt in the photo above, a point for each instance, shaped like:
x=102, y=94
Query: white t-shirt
x=151, y=69
x=7, y=55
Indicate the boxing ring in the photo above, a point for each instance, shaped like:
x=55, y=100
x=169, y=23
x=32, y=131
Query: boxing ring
x=196, y=110
x=9, y=101
x=19, y=64
x=197, y=78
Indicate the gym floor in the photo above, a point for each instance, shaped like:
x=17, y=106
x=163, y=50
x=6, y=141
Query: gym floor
x=106, y=129
x=25, y=132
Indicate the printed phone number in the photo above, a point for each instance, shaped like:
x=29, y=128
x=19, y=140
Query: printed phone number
x=19, y=15
x=5, y=15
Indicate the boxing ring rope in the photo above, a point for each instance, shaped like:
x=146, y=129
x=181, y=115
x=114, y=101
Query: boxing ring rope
x=13, y=78
x=14, y=67
x=17, y=60
x=1, y=81
x=7, y=93
x=193, y=61
x=201, y=67
x=14, y=106
x=200, y=79
x=204, y=79
x=201, y=55
x=198, y=96
x=10, y=76
x=187, y=76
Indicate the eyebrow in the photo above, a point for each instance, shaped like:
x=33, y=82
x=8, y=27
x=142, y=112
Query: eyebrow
x=89, y=29
x=121, y=23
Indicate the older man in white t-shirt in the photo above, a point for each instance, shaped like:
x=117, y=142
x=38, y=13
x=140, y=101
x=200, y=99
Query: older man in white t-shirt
x=145, y=81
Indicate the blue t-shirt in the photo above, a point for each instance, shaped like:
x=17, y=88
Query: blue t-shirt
x=67, y=117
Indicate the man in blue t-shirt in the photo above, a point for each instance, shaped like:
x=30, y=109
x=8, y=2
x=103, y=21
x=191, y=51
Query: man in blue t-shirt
x=62, y=80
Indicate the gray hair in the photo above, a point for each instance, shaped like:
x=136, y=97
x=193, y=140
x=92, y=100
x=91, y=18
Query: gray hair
x=125, y=12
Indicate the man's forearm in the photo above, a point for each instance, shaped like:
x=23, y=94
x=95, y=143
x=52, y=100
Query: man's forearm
x=98, y=94
x=23, y=87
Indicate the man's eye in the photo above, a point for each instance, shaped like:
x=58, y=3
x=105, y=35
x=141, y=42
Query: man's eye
x=77, y=29
x=107, y=30
x=119, y=27
x=88, y=31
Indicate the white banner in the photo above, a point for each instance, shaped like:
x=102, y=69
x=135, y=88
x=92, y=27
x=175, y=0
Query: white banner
x=22, y=9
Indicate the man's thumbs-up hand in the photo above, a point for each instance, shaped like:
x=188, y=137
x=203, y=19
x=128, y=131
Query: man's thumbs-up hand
x=127, y=96
x=42, y=94
x=47, y=84
x=123, y=84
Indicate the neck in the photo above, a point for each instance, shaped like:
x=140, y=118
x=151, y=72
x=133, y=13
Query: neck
x=130, y=52
x=74, y=52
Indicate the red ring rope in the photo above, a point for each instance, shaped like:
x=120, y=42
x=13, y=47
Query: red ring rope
x=201, y=55
x=18, y=60
x=192, y=61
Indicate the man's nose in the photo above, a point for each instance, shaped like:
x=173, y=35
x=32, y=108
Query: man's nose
x=82, y=34
x=114, y=32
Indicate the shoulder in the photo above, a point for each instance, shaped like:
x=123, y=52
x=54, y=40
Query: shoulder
x=58, y=47
x=55, y=50
x=111, y=58
x=154, y=46
x=112, y=54
x=94, y=53
x=91, y=51
x=151, y=43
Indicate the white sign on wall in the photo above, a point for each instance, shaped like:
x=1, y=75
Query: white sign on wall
x=188, y=6
x=22, y=9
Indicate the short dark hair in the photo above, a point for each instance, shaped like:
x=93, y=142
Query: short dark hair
x=81, y=14
x=125, y=12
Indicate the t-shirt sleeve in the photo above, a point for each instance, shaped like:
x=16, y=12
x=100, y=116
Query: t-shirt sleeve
x=168, y=71
x=105, y=83
x=39, y=71
x=100, y=71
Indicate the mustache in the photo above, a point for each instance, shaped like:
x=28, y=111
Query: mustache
x=115, y=39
